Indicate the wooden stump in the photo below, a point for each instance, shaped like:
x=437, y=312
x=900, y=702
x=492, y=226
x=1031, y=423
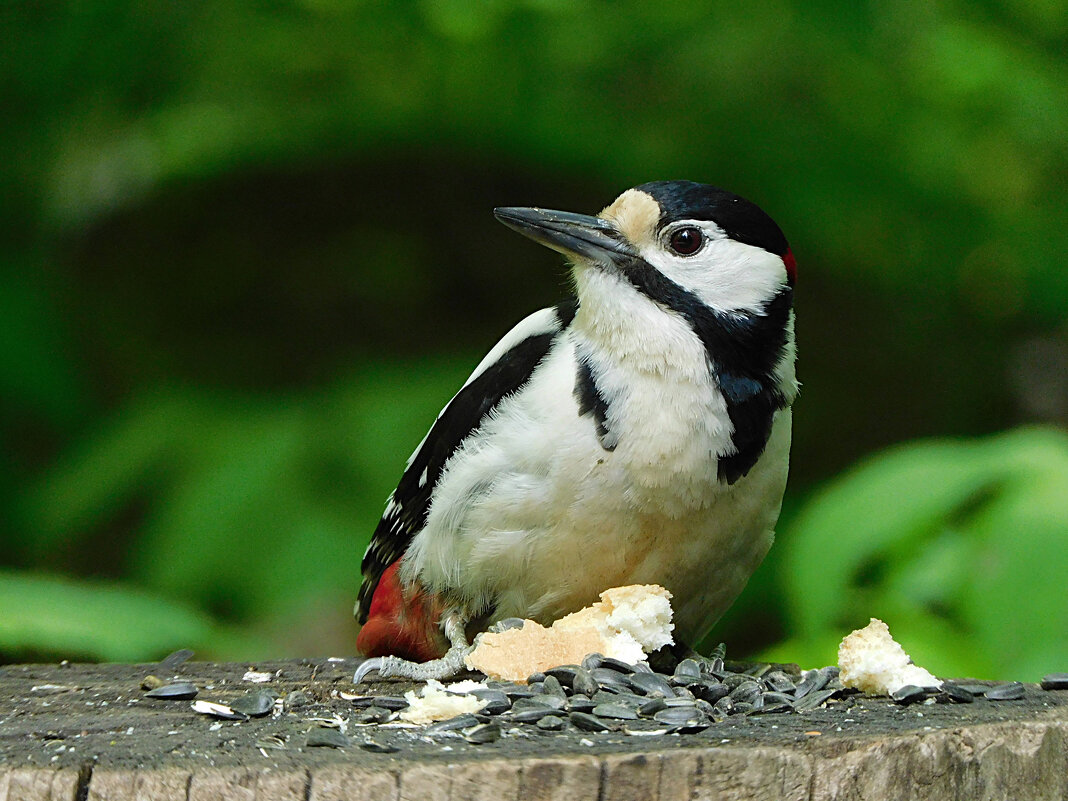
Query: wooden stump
x=77, y=732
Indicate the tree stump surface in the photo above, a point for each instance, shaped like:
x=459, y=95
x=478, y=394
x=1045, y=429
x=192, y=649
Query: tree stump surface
x=88, y=733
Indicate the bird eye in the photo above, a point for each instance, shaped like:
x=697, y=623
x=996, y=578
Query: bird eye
x=686, y=241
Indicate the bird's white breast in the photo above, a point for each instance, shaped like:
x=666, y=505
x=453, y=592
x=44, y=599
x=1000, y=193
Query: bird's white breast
x=533, y=517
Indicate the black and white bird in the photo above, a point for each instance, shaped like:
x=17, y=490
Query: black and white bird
x=636, y=433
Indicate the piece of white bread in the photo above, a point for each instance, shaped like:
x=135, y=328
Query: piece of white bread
x=873, y=662
x=627, y=623
x=437, y=701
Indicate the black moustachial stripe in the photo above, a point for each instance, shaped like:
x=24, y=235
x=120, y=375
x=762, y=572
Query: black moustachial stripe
x=463, y=415
x=591, y=401
x=743, y=350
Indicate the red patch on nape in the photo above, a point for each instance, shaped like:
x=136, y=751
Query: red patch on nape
x=791, y=266
x=400, y=623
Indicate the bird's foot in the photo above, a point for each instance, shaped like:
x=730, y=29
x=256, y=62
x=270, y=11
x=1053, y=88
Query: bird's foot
x=447, y=667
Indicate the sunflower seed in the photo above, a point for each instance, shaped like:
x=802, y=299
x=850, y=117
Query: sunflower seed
x=551, y=723
x=743, y=708
x=326, y=738
x=652, y=707
x=617, y=665
x=296, y=700
x=374, y=714
x=710, y=690
x=588, y=722
x=496, y=701
x=607, y=678
x=814, y=700
x=483, y=733
x=956, y=693
x=909, y=694
x=580, y=703
x=534, y=715
x=1055, y=681
x=221, y=711
x=564, y=674
x=591, y=661
x=550, y=701
x=452, y=724
x=812, y=681
x=688, y=669
x=583, y=682
x=747, y=692
x=536, y=678
x=679, y=716
x=377, y=746
x=552, y=686
x=615, y=712
x=255, y=705
x=651, y=685
x=171, y=662
x=779, y=682
x=178, y=691
x=1013, y=691
x=393, y=702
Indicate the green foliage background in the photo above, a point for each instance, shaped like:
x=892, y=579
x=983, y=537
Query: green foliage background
x=247, y=255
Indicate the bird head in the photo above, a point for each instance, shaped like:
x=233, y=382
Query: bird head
x=669, y=238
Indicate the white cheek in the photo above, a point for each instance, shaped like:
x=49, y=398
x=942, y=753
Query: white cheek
x=726, y=275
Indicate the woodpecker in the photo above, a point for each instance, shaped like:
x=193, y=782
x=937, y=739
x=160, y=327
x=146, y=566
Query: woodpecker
x=636, y=433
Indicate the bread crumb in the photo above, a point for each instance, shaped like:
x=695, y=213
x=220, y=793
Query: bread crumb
x=440, y=702
x=627, y=623
x=872, y=661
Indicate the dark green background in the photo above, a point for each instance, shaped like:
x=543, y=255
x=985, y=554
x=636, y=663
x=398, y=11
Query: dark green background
x=248, y=254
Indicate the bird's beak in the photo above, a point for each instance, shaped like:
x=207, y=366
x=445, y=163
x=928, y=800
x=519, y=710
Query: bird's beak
x=571, y=234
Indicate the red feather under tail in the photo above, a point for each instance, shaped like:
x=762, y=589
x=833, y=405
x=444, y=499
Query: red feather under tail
x=399, y=623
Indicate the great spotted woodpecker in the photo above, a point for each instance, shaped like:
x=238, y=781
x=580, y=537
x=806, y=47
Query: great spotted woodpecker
x=638, y=432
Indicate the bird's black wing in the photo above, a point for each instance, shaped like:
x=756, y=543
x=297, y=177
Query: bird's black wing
x=504, y=370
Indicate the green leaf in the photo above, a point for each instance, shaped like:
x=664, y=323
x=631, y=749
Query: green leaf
x=53, y=616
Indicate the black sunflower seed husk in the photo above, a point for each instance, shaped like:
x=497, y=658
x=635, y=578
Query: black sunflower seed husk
x=812, y=681
x=909, y=694
x=588, y=722
x=1013, y=691
x=452, y=724
x=255, y=704
x=483, y=733
x=955, y=693
x=393, y=702
x=178, y=691
x=377, y=746
x=1055, y=681
x=814, y=700
x=551, y=723
x=326, y=738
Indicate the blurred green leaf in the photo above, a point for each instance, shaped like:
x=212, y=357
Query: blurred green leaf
x=961, y=547
x=42, y=614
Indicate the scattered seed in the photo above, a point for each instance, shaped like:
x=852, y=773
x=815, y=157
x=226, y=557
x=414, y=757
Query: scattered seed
x=535, y=714
x=812, y=681
x=909, y=694
x=374, y=714
x=552, y=686
x=588, y=722
x=326, y=738
x=550, y=701
x=747, y=692
x=179, y=691
x=743, y=708
x=377, y=746
x=483, y=733
x=688, y=669
x=710, y=690
x=617, y=665
x=679, y=716
x=652, y=707
x=817, y=699
x=615, y=712
x=1013, y=691
x=254, y=705
x=172, y=661
x=1055, y=681
x=551, y=723
x=779, y=682
x=496, y=701
x=392, y=702
x=296, y=700
x=592, y=661
x=536, y=678
x=580, y=703
x=956, y=693
x=452, y=724
x=565, y=674
x=651, y=685
x=583, y=682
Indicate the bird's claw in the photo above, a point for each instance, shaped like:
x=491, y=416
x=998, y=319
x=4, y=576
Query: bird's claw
x=393, y=667
x=366, y=667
